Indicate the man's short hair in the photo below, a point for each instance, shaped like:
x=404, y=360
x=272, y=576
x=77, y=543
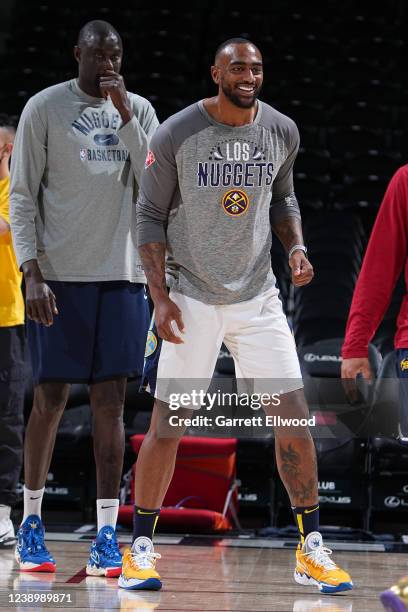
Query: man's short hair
x=237, y=40
x=97, y=28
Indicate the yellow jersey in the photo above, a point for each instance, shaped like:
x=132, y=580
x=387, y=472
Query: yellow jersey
x=11, y=297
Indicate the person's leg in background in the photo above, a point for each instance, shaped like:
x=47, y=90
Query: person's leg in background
x=60, y=354
x=121, y=330
x=107, y=400
x=48, y=406
x=395, y=599
x=11, y=424
x=402, y=373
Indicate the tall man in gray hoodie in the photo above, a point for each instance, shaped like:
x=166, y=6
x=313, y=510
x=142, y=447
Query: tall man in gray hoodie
x=79, y=152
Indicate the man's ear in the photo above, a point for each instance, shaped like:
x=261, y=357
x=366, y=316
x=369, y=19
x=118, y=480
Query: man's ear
x=215, y=74
x=77, y=53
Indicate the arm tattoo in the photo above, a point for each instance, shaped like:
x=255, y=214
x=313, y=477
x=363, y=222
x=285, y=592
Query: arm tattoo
x=289, y=232
x=153, y=256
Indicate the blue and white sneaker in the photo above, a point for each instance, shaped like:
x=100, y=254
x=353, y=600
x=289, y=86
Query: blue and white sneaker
x=31, y=553
x=105, y=558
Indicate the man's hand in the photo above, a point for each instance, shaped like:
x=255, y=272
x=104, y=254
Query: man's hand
x=112, y=84
x=5, y=154
x=349, y=370
x=302, y=269
x=40, y=302
x=356, y=365
x=41, y=305
x=167, y=316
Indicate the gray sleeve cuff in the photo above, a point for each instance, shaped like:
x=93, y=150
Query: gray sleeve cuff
x=150, y=223
x=149, y=230
x=134, y=138
x=283, y=208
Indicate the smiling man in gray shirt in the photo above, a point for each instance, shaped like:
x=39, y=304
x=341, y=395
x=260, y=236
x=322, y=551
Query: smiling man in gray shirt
x=79, y=151
x=214, y=173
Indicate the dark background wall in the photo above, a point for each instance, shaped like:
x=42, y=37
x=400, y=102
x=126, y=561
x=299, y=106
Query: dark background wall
x=338, y=69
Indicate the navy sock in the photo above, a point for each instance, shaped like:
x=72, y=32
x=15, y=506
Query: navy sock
x=306, y=519
x=144, y=522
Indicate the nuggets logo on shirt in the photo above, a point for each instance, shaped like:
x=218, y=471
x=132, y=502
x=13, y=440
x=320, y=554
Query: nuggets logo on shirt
x=96, y=131
x=150, y=159
x=235, y=202
x=235, y=163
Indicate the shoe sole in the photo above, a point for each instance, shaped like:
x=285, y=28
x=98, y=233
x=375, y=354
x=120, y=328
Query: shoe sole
x=151, y=584
x=391, y=602
x=107, y=572
x=327, y=589
x=32, y=567
x=44, y=567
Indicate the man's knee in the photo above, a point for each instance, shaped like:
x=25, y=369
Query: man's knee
x=107, y=399
x=163, y=437
x=292, y=416
x=162, y=429
x=291, y=405
x=50, y=399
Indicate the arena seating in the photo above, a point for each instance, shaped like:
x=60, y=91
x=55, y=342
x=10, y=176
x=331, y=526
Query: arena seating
x=320, y=309
x=203, y=493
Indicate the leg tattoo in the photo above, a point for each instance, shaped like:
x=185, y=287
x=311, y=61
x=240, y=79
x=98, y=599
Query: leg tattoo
x=296, y=461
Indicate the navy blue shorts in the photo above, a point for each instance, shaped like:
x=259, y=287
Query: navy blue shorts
x=99, y=333
x=402, y=373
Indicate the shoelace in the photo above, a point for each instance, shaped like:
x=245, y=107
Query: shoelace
x=145, y=560
x=320, y=556
x=35, y=540
x=110, y=547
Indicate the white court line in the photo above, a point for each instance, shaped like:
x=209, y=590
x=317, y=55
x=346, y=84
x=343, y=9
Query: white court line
x=266, y=543
x=122, y=539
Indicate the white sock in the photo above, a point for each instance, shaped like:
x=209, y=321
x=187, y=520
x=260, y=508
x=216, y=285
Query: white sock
x=32, y=502
x=107, y=512
x=4, y=512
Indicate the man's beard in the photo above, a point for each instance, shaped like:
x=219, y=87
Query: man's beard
x=236, y=100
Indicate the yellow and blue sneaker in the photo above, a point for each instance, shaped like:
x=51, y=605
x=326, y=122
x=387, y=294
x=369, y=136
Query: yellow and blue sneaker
x=315, y=568
x=31, y=553
x=105, y=558
x=139, y=567
x=396, y=598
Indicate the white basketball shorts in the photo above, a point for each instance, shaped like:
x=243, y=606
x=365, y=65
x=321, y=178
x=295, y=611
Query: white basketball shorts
x=255, y=332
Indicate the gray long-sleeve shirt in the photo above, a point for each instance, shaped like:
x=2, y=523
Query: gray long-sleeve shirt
x=206, y=192
x=74, y=181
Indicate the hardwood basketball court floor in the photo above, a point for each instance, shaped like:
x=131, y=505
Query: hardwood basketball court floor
x=203, y=575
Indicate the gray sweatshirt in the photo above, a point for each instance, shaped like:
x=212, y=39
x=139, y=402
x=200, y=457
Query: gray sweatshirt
x=206, y=192
x=74, y=181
